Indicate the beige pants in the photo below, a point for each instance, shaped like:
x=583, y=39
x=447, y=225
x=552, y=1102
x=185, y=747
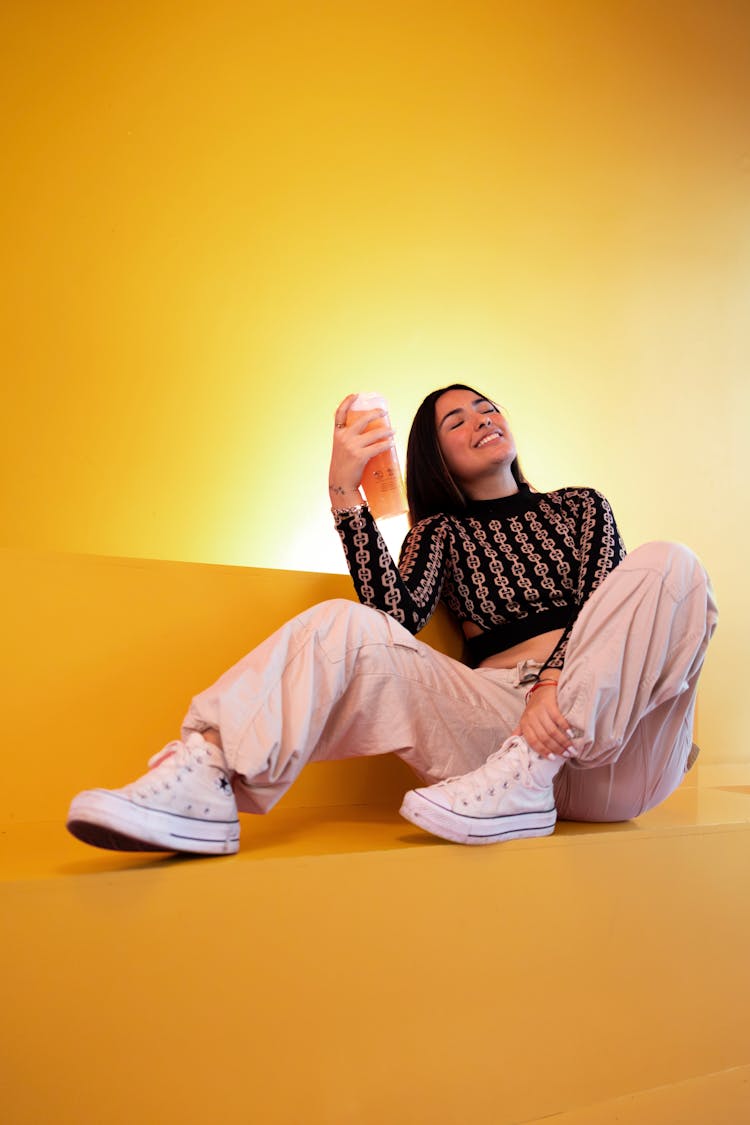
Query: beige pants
x=342, y=680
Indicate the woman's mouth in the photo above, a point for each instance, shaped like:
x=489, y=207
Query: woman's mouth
x=494, y=436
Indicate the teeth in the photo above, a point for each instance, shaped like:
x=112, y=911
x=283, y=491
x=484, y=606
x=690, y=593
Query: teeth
x=490, y=437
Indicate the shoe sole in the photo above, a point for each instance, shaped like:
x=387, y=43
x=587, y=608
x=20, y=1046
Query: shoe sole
x=106, y=820
x=460, y=829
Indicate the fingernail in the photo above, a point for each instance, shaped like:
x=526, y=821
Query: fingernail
x=570, y=733
x=568, y=754
x=552, y=757
x=570, y=751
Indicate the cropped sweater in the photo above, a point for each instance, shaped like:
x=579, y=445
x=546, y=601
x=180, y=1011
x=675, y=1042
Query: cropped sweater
x=517, y=566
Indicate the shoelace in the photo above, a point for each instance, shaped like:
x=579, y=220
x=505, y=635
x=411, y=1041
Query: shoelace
x=184, y=756
x=183, y=752
x=166, y=752
x=509, y=763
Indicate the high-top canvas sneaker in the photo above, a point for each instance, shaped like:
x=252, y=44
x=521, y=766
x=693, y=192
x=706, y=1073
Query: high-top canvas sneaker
x=508, y=798
x=184, y=803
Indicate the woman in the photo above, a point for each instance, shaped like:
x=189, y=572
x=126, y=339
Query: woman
x=585, y=661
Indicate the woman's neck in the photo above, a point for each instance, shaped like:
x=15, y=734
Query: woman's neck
x=495, y=487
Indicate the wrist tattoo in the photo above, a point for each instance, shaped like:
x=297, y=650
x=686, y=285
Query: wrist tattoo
x=337, y=490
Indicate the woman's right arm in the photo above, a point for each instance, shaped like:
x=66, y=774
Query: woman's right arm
x=408, y=593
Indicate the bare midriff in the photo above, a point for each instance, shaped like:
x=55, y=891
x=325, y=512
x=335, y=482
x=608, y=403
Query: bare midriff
x=537, y=648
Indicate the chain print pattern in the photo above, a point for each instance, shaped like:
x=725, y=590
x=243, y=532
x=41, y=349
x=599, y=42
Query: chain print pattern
x=362, y=541
x=504, y=594
x=428, y=537
x=556, y=555
x=550, y=550
x=563, y=523
x=598, y=530
x=456, y=590
x=481, y=607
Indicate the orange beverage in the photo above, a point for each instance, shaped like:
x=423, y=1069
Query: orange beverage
x=382, y=481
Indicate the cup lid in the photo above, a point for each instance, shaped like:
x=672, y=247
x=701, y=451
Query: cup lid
x=369, y=400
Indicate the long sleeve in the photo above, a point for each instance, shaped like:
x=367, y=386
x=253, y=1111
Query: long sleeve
x=408, y=592
x=601, y=549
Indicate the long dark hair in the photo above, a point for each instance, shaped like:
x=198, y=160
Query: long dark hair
x=430, y=486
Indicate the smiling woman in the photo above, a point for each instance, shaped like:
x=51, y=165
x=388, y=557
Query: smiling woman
x=476, y=442
x=432, y=485
x=576, y=699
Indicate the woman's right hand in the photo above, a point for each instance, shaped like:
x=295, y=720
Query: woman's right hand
x=353, y=446
x=542, y=724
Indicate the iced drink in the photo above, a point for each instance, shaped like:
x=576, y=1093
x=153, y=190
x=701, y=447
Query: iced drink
x=381, y=480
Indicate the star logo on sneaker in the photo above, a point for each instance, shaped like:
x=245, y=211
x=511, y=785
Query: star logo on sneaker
x=223, y=784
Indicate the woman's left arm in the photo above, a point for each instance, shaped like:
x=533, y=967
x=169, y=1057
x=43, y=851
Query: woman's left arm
x=601, y=549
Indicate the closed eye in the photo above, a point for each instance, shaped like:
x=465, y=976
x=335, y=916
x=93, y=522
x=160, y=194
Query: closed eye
x=481, y=405
x=486, y=410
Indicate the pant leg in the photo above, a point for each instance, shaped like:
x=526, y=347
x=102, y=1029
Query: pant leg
x=343, y=680
x=629, y=683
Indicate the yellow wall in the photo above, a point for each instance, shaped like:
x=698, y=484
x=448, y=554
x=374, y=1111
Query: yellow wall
x=220, y=218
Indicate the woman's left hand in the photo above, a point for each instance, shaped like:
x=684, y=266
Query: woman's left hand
x=543, y=725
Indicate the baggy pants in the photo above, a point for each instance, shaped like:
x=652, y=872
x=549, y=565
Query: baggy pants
x=343, y=680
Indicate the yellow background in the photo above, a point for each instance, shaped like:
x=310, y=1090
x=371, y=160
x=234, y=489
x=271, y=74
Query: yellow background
x=221, y=218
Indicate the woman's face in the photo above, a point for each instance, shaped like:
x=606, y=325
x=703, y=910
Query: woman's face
x=473, y=435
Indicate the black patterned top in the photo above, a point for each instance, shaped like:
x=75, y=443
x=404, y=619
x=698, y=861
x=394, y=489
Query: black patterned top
x=517, y=566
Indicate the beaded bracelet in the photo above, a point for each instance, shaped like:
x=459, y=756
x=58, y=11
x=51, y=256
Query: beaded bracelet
x=539, y=684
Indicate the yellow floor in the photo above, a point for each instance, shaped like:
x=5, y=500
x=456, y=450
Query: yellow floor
x=345, y=968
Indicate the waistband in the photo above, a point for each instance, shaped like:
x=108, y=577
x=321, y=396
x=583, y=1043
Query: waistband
x=525, y=672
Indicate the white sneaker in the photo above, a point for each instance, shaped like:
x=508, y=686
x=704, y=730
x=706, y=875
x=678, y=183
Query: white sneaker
x=185, y=803
x=510, y=797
